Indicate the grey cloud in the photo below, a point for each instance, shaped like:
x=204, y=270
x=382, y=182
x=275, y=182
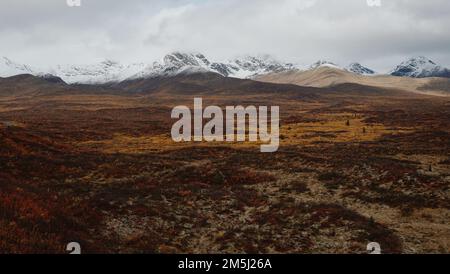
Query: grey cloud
x=47, y=32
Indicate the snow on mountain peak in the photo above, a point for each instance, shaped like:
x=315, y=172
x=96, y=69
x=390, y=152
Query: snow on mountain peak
x=249, y=66
x=100, y=73
x=243, y=67
x=176, y=63
x=324, y=63
x=180, y=60
x=173, y=64
x=359, y=69
x=420, y=67
x=9, y=68
x=355, y=68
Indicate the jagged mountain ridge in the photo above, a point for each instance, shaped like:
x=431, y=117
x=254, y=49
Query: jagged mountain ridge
x=172, y=64
x=185, y=63
x=188, y=63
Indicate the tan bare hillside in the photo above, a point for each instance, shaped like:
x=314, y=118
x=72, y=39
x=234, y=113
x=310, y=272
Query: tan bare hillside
x=326, y=76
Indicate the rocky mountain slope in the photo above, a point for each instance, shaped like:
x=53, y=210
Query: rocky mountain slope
x=359, y=69
x=420, y=67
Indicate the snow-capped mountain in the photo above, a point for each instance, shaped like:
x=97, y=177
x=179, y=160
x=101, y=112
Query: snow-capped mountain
x=359, y=69
x=9, y=68
x=187, y=63
x=103, y=72
x=355, y=68
x=174, y=64
x=420, y=67
x=245, y=67
x=323, y=63
x=250, y=66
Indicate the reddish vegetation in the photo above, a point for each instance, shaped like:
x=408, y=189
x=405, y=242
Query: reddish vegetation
x=323, y=191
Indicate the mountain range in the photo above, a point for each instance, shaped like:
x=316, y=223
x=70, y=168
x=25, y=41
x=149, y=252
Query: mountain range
x=178, y=63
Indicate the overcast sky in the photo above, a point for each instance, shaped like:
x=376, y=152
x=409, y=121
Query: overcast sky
x=49, y=32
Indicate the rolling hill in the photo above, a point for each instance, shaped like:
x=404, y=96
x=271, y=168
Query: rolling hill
x=330, y=76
